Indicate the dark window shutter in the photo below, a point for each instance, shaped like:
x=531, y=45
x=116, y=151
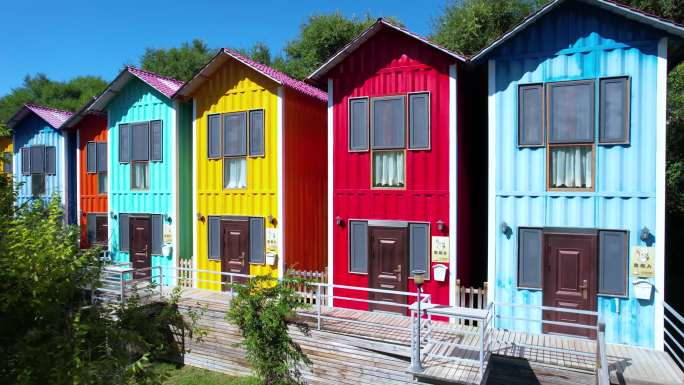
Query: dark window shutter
x=419, y=247
x=101, y=163
x=531, y=115
x=235, y=134
x=101, y=229
x=37, y=159
x=51, y=160
x=529, y=257
x=214, y=136
x=140, y=141
x=257, y=240
x=358, y=247
x=124, y=143
x=91, y=223
x=214, y=233
x=387, y=130
x=91, y=157
x=571, y=112
x=7, y=163
x=419, y=121
x=613, y=262
x=614, y=111
x=26, y=161
x=156, y=148
x=124, y=230
x=358, y=124
x=256, y=133
x=157, y=233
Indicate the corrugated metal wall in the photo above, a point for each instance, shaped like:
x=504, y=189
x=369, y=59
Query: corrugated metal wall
x=35, y=131
x=577, y=42
x=138, y=102
x=389, y=64
x=185, y=175
x=233, y=88
x=6, y=145
x=90, y=128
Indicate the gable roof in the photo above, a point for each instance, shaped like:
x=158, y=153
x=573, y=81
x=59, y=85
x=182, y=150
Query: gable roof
x=52, y=116
x=379, y=25
x=616, y=7
x=165, y=85
x=80, y=114
x=226, y=54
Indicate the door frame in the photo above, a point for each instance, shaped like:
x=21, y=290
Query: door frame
x=228, y=219
x=132, y=217
x=389, y=225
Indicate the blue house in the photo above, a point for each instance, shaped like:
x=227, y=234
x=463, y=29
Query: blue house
x=143, y=179
x=44, y=156
x=576, y=202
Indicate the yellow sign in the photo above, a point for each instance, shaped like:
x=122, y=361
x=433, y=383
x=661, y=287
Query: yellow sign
x=643, y=261
x=167, y=237
x=272, y=240
x=440, y=249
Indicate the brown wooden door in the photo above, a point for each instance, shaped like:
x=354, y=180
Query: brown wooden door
x=570, y=281
x=234, y=249
x=139, y=230
x=388, y=262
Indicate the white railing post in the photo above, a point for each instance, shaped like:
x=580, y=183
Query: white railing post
x=482, y=336
x=318, y=307
x=231, y=285
x=121, y=287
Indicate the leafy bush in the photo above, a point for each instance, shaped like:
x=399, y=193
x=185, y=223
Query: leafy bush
x=263, y=311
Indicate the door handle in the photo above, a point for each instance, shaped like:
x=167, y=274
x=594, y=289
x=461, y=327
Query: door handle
x=398, y=269
x=584, y=286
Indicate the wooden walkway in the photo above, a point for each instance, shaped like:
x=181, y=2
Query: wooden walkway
x=363, y=347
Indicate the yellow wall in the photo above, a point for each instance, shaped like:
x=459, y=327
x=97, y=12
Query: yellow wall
x=232, y=88
x=5, y=146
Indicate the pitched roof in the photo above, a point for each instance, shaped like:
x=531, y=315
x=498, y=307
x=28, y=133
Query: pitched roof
x=273, y=74
x=52, y=116
x=165, y=85
x=616, y=7
x=80, y=114
x=365, y=36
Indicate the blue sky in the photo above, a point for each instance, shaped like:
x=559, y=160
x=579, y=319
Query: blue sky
x=67, y=38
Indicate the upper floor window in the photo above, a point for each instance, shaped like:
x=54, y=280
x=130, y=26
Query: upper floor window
x=561, y=117
x=233, y=137
x=384, y=126
x=7, y=162
x=38, y=161
x=139, y=144
x=96, y=163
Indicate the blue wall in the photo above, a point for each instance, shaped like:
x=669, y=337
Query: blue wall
x=33, y=130
x=138, y=102
x=577, y=41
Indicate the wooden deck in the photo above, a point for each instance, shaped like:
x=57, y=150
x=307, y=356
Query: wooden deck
x=362, y=347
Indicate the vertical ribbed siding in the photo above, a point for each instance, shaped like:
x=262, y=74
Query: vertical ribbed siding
x=91, y=128
x=570, y=43
x=35, y=131
x=185, y=175
x=232, y=88
x=138, y=102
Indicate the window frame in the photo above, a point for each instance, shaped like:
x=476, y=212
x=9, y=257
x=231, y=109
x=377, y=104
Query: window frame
x=249, y=133
x=349, y=123
x=106, y=183
x=548, y=86
x=88, y=144
x=132, y=165
x=349, y=248
x=220, y=152
x=44, y=184
x=95, y=242
x=428, y=257
x=628, y=111
x=625, y=271
x=542, y=122
x=408, y=120
x=404, y=98
x=541, y=259
x=223, y=173
x=372, y=173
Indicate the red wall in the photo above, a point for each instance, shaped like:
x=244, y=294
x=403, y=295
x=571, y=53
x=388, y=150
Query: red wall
x=390, y=63
x=90, y=128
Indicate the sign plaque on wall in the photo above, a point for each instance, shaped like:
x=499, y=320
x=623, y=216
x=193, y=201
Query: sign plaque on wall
x=167, y=236
x=440, y=249
x=642, y=261
x=272, y=240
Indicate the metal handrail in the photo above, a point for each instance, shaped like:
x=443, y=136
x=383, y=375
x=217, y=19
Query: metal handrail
x=673, y=346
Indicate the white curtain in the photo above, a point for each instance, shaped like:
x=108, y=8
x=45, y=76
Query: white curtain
x=388, y=169
x=571, y=167
x=140, y=178
x=235, y=173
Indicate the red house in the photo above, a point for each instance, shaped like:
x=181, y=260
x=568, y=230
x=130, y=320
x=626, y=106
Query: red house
x=398, y=167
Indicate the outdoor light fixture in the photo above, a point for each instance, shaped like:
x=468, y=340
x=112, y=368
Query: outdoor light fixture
x=440, y=225
x=272, y=220
x=200, y=217
x=339, y=221
x=505, y=228
x=168, y=219
x=645, y=234
x=418, y=280
x=112, y=215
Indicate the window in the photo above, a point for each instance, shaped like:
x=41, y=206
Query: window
x=124, y=231
x=233, y=137
x=613, y=262
x=614, y=111
x=530, y=257
x=139, y=144
x=96, y=163
x=257, y=238
x=358, y=124
x=570, y=108
x=38, y=161
x=7, y=162
x=388, y=141
x=419, y=121
x=97, y=228
x=531, y=115
x=140, y=175
x=358, y=247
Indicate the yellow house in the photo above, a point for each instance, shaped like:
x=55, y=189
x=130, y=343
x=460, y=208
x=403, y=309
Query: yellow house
x=259, y=200
x=6, y=148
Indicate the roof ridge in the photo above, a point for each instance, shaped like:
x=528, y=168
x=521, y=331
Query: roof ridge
x=29, y=104
x=134, y=68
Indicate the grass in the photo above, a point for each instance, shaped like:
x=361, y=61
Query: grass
x=188, y=375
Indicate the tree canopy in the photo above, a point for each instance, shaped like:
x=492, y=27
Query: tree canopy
x=179, y=63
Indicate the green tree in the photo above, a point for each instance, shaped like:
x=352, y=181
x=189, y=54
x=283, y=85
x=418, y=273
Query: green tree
x=70, y=95
x=178, y=63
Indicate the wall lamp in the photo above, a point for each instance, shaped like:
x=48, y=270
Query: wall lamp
x=272, y=220
x=440, y=225
x=168, y=219
x=505, y=228
x=339, y=221
x=113, y=215
x=645, y=234
x=200, y=217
